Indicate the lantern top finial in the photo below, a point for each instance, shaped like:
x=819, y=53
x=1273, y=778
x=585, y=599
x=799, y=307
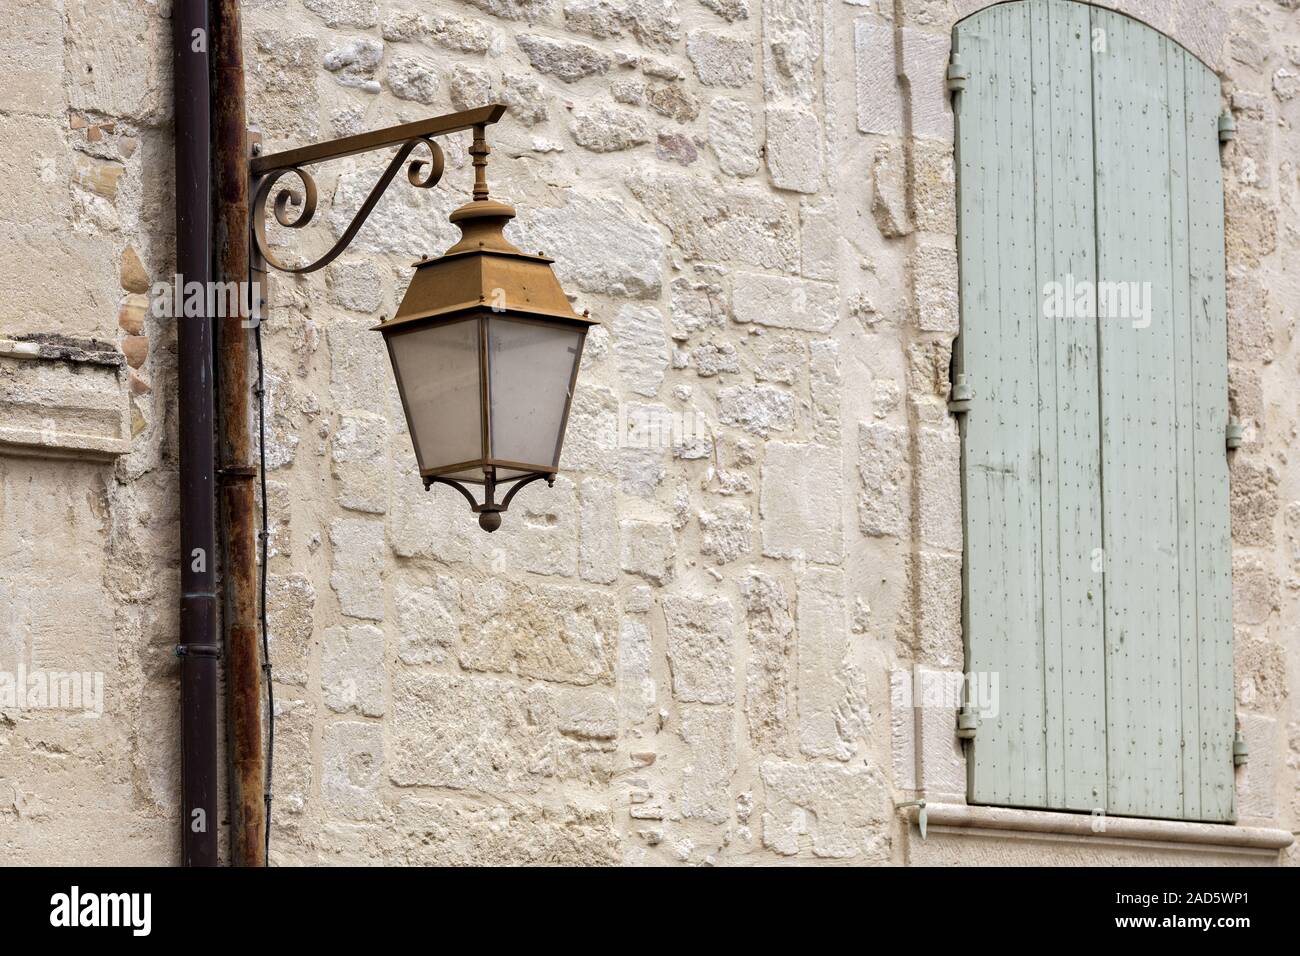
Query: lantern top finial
x=481, y=225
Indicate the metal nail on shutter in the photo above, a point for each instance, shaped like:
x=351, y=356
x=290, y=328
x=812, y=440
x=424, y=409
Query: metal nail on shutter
x=1115, y=689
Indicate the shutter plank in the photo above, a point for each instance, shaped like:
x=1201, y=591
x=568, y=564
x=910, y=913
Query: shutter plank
x=1000, y=461
x=1074, y=660
x=1138, y=408
x=1208, y=323
x=1185, y=377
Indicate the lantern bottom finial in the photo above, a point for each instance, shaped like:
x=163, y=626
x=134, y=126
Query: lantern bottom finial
x=489, y=521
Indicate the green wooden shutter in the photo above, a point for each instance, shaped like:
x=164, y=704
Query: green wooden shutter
x=1092, y=442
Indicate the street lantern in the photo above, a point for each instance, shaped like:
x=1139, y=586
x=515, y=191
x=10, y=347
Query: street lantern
x=485, y=346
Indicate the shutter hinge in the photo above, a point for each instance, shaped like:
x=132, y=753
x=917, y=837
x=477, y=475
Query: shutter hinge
x=1236, y=432
x=1227, y=126
x=968, y=721
x=961, y=395
x=1240, y=753
x=920, y=813
x=958, y=74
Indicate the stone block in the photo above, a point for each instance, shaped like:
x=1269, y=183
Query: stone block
x=939, y=486
x=925, y=64
x=1249, y=337
x=641, y=347
x=934, y=188
x=543, y=536
x=290, y=611
x=825, y=385
x=526, y=98
x=934, y=289
x=358, y=567
x=902, y=730
x=470, y=87
x=591, y=440
x=33, y=59
x=1255, y=594
x=700, y=648
x=598, y=543
x=414, y=78
x=731, y=135
x=652, y=23
x=430, y=523
x=785, y=303
x=567, y=60
x=607, y=129
x=353, y=61
x=428, y=618
x=345, y=13
x=1259, y=668
x=441, y=832
x=769, y=677
x=360, y=461
x=880, y=100
x=939, y=617
x=696, y=306
x=721, y=59
x=729, y=224
x=649, y=549
x=726, y=532
x=710, y=763
x=282, y=86
x=833, y=713
x=838, y=812
x=799, y=503
x=356, y=285
x=352, y=670
x=1254, y=508
x=1257, y=779
x=820, y=231
x=758, y=409
x=794, y=150
x=636, y=685
x=606, y=249
x=546, y=632
x=352, y=762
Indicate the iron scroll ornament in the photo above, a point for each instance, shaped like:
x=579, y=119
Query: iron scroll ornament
x=306, y=200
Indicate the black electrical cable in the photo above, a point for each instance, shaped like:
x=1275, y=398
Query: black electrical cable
x=263, y=537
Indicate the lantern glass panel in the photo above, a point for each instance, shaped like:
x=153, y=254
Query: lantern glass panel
x=530, y=371
x=437, y=368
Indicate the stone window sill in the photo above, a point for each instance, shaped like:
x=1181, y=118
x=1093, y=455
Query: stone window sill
x=991, y=835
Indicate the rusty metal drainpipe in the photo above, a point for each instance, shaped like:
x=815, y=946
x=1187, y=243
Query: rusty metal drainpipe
x=198, y=648
x=239, y=561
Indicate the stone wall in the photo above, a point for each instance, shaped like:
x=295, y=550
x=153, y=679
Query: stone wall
x=685, y=650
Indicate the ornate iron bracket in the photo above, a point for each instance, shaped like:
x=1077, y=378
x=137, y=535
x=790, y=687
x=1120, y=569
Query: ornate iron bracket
x=489, y=512
x=267, y=171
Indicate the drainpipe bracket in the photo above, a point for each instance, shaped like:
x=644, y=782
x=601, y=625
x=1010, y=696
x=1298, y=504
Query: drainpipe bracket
x=198, y=650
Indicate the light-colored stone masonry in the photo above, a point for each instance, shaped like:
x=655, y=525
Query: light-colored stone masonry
x=685, y=650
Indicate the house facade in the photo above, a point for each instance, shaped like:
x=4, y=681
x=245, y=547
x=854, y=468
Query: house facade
x=935, y=444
